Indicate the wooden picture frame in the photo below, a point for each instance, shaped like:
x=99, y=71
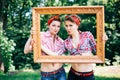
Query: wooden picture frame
x=100, y=54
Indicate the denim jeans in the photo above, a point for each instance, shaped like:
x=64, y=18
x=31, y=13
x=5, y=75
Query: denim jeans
x=72, y=76
x=61, y=75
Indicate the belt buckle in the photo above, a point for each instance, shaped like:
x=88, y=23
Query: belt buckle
x=78, y=74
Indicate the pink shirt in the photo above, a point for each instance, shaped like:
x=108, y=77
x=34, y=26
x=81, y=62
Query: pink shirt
x=87, y=44
x=54, y=44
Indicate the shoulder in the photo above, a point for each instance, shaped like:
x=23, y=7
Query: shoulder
x=66, y=41
x=42, y=34
x=87, y=33
x=60, y=39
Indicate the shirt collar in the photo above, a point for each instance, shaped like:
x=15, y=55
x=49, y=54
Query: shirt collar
x=48, y=34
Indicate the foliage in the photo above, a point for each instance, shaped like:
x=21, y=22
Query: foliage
x=112, y=11
x=6, y=48
x=117, y=60
x=112, y=27
x=19, y=22
x=18, y=26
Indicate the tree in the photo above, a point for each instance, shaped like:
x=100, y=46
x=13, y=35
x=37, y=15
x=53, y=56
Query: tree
x=112, y=19
x=17, y=21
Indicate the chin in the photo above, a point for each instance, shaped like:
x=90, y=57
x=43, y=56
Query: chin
x=55, y=33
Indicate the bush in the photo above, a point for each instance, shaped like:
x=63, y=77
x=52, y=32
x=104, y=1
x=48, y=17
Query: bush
x=6, y=49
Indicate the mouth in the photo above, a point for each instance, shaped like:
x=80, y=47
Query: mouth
x=68, y=31
x=55, y=31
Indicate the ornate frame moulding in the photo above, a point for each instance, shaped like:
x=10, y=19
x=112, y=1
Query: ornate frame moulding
x=98, y=10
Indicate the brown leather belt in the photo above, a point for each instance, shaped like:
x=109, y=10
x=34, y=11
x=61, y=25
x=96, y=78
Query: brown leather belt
x=81, y=73
x=54, y=72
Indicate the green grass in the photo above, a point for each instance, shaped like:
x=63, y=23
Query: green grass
x=106, y=78
x=101, y=73
x=36, y=76
x=20, y=76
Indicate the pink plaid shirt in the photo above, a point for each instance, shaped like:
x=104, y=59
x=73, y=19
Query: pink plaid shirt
x=87, y=44
x=54, y=45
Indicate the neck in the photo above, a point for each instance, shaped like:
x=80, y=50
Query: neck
x=53, y=36
x=75, y=35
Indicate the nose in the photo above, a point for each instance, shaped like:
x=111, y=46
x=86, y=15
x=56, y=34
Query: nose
x=56, y=28
x=68, y=28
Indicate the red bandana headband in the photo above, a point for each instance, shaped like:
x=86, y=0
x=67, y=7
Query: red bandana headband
x=74, y=18
x=52, y=18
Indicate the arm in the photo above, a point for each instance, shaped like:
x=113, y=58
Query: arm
x=49, y=52
x=28, y=46
x=93, y=43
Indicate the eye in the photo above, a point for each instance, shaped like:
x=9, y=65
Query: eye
x=71, y=25
x=66, y=26
x=53, y=25
x=58, y=26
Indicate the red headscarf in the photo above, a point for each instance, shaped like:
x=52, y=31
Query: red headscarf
x=75, y=18
x=56, y=17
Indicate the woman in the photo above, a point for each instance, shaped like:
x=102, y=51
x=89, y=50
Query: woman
x=50, y=40
x=79, y=43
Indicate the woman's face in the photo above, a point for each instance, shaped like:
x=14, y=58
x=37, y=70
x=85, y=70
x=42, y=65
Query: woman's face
x=71, y=27
x=54, y=27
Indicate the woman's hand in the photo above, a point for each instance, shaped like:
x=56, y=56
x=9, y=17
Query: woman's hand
x=32, y=31
x=105, y=37
x=30, y=42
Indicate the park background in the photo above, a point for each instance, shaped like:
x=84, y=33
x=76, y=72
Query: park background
x=15, y=25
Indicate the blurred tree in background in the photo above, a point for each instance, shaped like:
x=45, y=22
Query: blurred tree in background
x=16, y=17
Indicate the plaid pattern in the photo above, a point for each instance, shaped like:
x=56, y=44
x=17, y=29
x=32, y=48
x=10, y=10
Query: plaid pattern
x=54, y=44
x=87, y=44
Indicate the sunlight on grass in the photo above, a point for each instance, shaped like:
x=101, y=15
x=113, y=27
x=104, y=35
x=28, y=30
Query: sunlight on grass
x=108, y=71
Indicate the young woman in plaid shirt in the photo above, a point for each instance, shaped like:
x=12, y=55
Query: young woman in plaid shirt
x=50, y=40
x=79, y=43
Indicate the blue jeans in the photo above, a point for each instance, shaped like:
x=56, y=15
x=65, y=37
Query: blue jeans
x=73, y=76
x=55, y=75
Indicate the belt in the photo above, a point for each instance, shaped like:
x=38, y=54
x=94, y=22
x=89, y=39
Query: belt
x=54, y=72
x=81, y=73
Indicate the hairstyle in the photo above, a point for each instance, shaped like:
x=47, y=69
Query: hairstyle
x=73, y=18
x=54, y=18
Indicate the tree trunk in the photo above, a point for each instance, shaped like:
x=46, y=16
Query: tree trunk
x=2, y=26
x=3, y=15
